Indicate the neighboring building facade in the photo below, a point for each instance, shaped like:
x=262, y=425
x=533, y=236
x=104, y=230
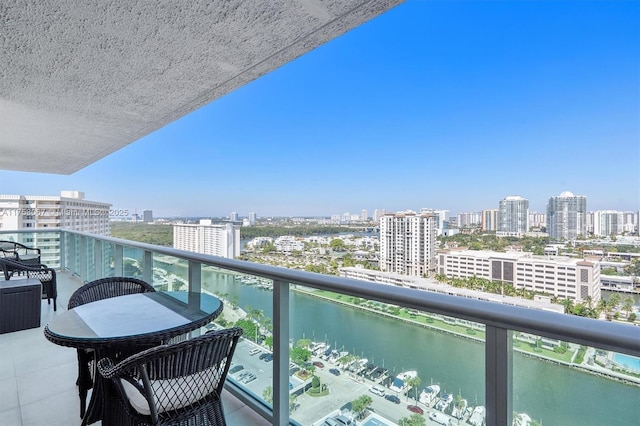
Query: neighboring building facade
x=147, y=216
x=563, y=277
x=468, y=219
x=207, y=238
x=377, y=214
x=513, y=216
x=442, y=218
x=605, y=223
x=408, y=243
x=490, y=220
x=69, y=211
x=567, y=216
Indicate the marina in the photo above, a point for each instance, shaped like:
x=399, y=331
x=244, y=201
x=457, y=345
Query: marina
x=454, y=364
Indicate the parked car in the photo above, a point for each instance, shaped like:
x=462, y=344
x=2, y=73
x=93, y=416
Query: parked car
x=236, y=368
x=392, y=398
x=415, y=409
x=334, y=371
x=268, y=358
x=377, y=390
x=254, y=351
x=293, y=370
x=263, y=355
x=318, y=364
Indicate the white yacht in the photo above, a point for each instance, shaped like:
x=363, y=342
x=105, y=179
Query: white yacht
x=429, y=394
x=522, y=419
x=459, y=408
x=477, y=416
x=399, y=384
x=444, y=402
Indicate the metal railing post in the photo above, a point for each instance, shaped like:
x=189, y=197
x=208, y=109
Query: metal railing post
x=280, y=353
x=62, y=243
x=147, y=267
x=98, y=272
x=83, y=258
x=195, y=276
x=498, y=375
x=118, y=260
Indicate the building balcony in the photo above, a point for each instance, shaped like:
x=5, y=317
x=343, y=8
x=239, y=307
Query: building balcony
x=512, y=361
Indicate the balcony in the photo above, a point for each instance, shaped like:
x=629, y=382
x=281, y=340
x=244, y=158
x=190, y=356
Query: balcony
x=496, y=365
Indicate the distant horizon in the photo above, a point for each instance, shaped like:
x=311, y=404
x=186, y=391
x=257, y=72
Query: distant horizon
x=444, y=105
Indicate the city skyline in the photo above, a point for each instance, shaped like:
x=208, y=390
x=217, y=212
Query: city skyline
x=446, y=105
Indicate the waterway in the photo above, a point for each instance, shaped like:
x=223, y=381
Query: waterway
x=548, y=393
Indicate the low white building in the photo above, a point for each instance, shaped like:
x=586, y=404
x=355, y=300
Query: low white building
x=559, y=276
x=426, y=284
x=288, y=243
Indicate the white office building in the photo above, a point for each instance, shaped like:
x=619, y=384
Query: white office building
x=252, y=218
x=69, y=211
x=567, y=216
x=206, y=238
x=513, y=216
x=563, y=277
x=408, y=243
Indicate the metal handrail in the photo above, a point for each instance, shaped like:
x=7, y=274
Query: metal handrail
x=586, y=331
x=498, y=319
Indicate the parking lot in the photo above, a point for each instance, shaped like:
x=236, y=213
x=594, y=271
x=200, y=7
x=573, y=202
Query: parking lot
x=343, y=388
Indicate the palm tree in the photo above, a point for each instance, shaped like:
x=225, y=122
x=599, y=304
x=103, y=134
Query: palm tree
x=568, y=306
x=627, y=305
x=414, y=382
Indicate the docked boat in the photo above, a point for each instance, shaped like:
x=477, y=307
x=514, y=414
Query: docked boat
x=336, y=356
x=399, y=384
x=444, y=402
x=429, y=394
x=459, y=408
x=477, y=416
x=522, y=419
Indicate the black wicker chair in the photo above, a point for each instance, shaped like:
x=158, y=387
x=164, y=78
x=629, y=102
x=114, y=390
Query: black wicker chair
x=177, y=384
x=15, y=251
x=103, y=288
x=47, y=277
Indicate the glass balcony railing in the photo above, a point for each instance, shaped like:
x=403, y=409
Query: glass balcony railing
x=318, y=346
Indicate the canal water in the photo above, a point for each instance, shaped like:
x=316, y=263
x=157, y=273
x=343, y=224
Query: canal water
x=548, y=393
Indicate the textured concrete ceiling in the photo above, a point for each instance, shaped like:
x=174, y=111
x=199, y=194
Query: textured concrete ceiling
x=82, y=79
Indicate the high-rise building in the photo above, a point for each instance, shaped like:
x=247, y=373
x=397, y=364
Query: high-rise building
x=206, y=238
x=363, y=216
x=377, y=214
x=408, y=243
x=567, y=216
x=442, y=218
x=468, y=219
x=69, y=211
x=537, y=220
x=233, y=217
x=147, y=216
x=605, y=223
x=513, y=216
x=252, y=218
x=490, y=220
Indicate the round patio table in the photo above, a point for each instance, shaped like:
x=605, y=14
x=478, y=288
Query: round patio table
x=120, y=326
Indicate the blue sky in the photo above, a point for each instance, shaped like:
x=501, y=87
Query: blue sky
x=443, y=104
